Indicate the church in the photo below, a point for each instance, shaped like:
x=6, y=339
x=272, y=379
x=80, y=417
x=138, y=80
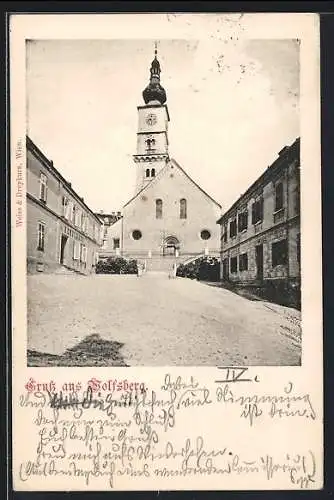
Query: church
x=169, y=215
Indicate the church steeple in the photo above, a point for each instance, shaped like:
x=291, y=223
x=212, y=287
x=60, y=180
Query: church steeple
x=152, y=136
x=154, y=92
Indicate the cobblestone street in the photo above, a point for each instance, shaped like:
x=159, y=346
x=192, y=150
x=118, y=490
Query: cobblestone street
x=160, y=321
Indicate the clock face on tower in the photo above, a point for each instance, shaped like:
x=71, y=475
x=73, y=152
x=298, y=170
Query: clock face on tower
x=151, y=119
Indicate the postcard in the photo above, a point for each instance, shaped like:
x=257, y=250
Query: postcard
x=166, y=252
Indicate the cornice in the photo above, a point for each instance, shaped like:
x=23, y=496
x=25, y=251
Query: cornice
x=149, y=158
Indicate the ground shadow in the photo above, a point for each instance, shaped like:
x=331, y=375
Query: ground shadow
x=261, y=294
x=238, y=291
x=91, y=351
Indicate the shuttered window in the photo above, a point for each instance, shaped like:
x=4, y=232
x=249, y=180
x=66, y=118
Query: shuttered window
x=41, y=237
x=43, y=188
x=76, y=250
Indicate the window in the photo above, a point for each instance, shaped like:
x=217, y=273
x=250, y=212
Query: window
x=73, y=214
x=242, y=221
x=225, y=234
x=77, y=218
x=76, y=250
x=43, y=188
x=205, y=234
x=116, y=243
x=65, y=207
x=147, y=173
x=153, y=172
x=243, y=262
x=233, y=264
x=278, y=196
x=41, y=236
x=233, y=228
x=158, y=209
x=84, y=222
x=279, y=253
x=136, y=234
x=257, y=211
x=183, y=208
x=150, y=143
x=83, y=253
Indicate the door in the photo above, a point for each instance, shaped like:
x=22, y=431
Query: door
x=171, y=246
x=259, y=261
x=62, y=247
x=170, y=250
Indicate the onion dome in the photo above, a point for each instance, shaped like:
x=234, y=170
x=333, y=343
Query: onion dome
x=154, y=91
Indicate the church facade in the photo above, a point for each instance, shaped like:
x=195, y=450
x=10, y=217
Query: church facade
x=169, y=215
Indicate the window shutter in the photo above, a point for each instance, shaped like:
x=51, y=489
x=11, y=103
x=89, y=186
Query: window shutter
x=76, y=250
x=67, y=208
x=77, y=217
x=83, y=256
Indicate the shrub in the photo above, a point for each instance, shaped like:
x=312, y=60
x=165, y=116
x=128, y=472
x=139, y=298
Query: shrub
x=204, y=269
x=116, y=265
x=283, y=292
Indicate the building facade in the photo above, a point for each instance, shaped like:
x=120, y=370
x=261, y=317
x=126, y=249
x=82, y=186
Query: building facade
x=107, y=220
x=260, y=233
x=62, y=231
x=170, y=215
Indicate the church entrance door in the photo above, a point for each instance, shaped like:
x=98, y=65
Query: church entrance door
x=171, y=246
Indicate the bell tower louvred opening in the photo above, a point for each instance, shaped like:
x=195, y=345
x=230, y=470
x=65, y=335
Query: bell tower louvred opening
x=152, y=138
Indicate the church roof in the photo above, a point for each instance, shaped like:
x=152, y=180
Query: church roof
x=197, y=185
x=160, y=175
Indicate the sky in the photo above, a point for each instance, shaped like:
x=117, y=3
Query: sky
x=233, y=105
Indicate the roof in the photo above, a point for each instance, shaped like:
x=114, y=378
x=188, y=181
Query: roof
x=31, y=146
x=284, y=154
x=195, y=183
x=160, y=174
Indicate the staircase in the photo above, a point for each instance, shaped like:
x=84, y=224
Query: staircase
x=164, y=264
x=160, y=264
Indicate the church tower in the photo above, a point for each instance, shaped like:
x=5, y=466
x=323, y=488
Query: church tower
x=152, y=136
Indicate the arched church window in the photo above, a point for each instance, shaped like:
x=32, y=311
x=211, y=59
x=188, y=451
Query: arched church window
x=150, y=143
x=183, y=208
x=153, y=172
x=158, y=209
x=147, y=172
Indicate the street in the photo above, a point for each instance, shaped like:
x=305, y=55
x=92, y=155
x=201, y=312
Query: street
x=157, y=322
